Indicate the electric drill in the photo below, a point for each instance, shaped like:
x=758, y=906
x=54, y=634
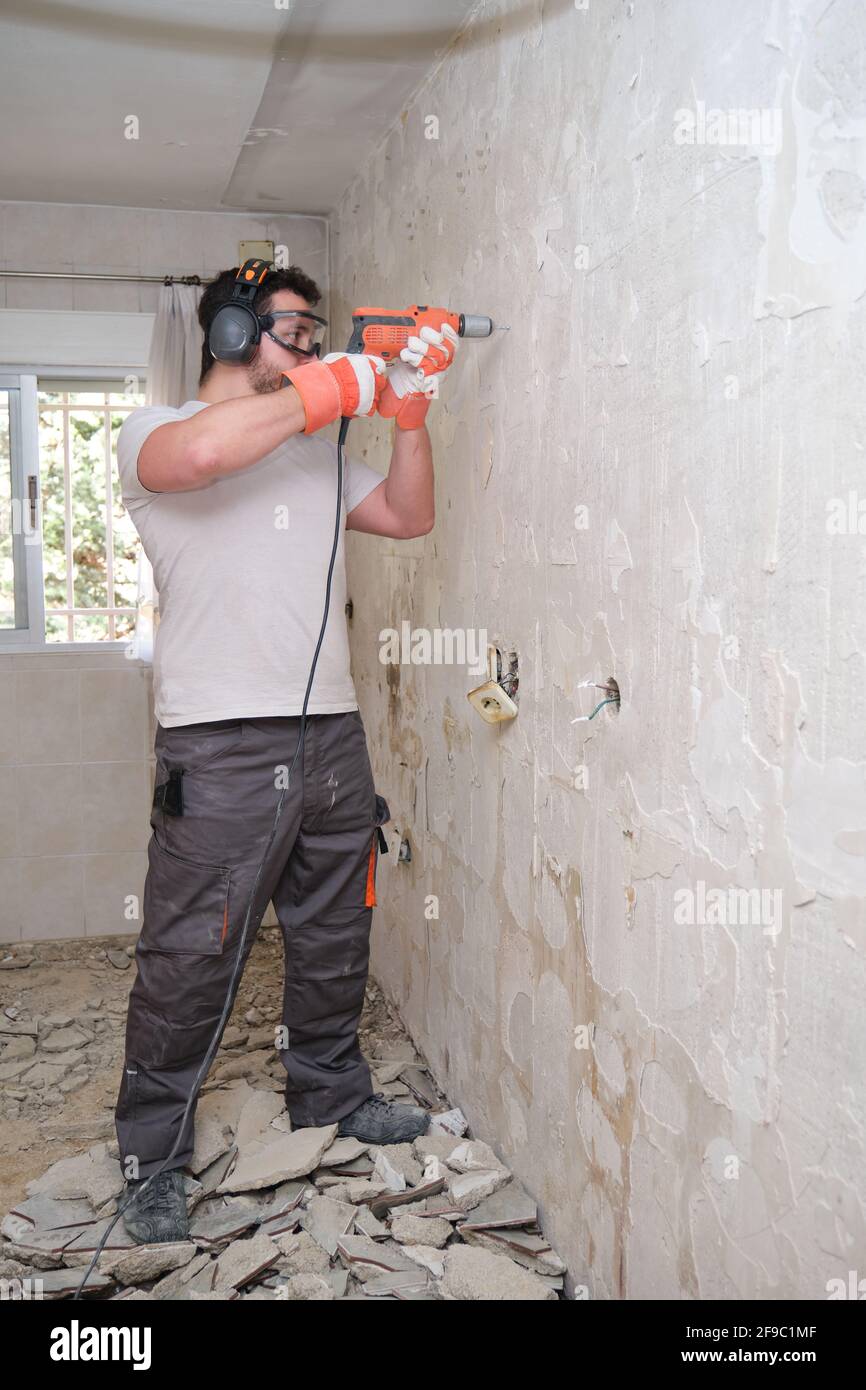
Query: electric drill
x=385, y=332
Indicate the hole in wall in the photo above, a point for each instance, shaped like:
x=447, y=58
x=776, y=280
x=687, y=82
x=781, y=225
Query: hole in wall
x=613, y=694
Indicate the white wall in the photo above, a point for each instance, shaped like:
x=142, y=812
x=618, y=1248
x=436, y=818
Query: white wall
x=135, y=241
x=687, y=336
x=76, y=729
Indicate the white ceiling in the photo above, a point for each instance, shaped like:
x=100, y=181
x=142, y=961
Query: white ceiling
x=241, y=105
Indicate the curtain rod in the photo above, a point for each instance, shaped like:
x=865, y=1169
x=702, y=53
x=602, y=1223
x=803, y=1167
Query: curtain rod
x=142, y=279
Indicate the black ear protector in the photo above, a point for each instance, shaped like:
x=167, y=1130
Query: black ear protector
x=236, y=330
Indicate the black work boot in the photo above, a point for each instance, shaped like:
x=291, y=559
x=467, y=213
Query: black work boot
x=158, y=1214
x=383, y=1121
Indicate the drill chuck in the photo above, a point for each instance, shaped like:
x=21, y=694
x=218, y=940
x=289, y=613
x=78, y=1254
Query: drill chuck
x=475, y=326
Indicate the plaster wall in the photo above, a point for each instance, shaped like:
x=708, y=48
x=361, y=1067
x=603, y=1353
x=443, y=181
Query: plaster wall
x=638, y=480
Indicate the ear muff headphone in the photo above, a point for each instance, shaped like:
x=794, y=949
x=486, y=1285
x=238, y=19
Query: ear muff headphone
x=236, y=330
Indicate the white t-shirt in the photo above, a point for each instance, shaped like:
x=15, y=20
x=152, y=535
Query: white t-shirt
x=241, y=569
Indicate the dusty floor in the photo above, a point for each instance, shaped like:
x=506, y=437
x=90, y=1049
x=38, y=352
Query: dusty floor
x=59, y=1112
x=441, y=1218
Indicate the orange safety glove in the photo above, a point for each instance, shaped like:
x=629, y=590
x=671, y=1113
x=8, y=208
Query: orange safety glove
x=343, y=383
x=413, y=381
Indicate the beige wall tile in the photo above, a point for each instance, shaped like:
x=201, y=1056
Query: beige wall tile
x=49, y=726
x=115, y=806
x=52, y=897
x=50, y=812
x=8, y=713
x=9, y=837
x=115, y=715
x=113, y=892
x=10, y=900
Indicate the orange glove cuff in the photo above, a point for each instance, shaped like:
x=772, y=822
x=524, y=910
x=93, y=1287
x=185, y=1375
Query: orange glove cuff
x=409, y=411
x=319, y=391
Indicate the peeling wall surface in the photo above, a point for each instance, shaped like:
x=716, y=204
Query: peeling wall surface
x=645, y=981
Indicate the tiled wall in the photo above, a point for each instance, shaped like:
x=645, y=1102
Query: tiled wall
x=76, y=773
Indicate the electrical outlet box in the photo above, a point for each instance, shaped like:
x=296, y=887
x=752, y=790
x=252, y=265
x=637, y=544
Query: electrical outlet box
x=255, y=250
x=492, y=703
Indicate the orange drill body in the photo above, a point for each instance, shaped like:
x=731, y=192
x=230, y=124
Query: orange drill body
x=385, y=332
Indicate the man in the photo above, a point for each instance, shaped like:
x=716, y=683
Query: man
x=234, y=497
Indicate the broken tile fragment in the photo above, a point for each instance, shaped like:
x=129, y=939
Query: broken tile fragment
x=301, y=1254
x=343, y=1150
x=146, y=1262
x=467, y=1190
x=510, y=1206
x=386, y=1174
x=449, y=1122
x=439, y=1145
x=428, y=1256
x=365, y=1257
x=217, y=1221
x=399, y=1280
x=93, y=1175
x=264, y=1164
x=60, y=1283
x=243, y=1260
x=473, y=1155
x=421, y=1230
x=479, y=1275
x=327, y=1221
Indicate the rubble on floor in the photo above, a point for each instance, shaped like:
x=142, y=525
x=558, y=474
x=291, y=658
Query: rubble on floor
x=273, y=1212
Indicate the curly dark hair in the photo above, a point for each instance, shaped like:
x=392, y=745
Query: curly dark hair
x=219, y=292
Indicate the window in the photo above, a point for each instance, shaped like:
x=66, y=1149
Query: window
x=69, y=553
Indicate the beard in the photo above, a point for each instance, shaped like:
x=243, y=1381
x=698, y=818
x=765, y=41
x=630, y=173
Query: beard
x=264, y=377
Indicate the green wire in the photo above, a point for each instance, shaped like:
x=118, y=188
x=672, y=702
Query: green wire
x=611, y=700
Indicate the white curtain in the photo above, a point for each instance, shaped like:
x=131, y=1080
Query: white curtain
x=172, y=378
x=175, y=348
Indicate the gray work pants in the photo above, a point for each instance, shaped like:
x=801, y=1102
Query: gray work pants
x=216, y=791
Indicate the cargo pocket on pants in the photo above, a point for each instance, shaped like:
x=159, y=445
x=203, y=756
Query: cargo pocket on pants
x=378, y=844
x=186, y=905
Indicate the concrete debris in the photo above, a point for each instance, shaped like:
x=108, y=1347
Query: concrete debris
x=429, y=1256
x=304, y=1215
x=343, y=1151
x=471, y=1156
x=145, y=1262
x=218, y=1221
x=449, y=1122
x=366, y=1190
x=93, y=1175
x=421, y=1230
x=526, y=1249
x=367, y=1257
x=22, y=1046
x=402, y=1280
x=244, y=1260
x=468, y=1190
x=510, y=1206
x=60, y=1283
x=266, y=1163
x=307, y=1287
x=254, y=1122
x=301, y=1254
x=366, y=1224
x=421, y=1085
x=481, y=1276
x=435, y=1145
x=327, y=1221
x=385, y=1173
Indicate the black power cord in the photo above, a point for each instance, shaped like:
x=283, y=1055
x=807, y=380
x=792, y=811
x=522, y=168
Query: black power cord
x=203, y=1069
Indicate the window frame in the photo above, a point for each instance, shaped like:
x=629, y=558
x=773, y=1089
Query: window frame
x=31, y=640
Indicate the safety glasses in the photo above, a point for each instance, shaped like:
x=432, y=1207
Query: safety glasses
x=302, y=332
